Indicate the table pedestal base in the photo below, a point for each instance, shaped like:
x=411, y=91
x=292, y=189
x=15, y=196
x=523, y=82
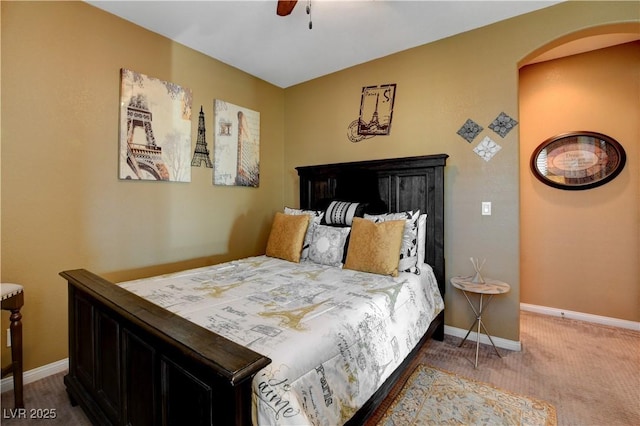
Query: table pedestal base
x=481, y=325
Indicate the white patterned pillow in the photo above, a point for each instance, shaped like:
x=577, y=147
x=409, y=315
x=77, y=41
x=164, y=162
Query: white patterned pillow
x=316, y=217
x=327, y=245
x=409, y=248
x=341, y=213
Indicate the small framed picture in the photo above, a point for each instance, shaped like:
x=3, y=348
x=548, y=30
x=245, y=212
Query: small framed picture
x=376, y=110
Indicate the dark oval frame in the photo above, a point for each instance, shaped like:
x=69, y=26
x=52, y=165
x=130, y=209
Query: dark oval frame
x=604, y=170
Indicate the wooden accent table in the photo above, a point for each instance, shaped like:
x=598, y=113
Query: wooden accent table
x=490, y=288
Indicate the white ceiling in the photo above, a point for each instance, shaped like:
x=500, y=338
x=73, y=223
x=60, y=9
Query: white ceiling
x=248, y=34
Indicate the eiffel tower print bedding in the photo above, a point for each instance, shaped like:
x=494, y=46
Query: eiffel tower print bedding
x=334, y=335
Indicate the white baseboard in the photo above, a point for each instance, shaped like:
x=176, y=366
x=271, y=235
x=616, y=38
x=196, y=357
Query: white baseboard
x=511, y=345
x=563, y=313
x=37, y=373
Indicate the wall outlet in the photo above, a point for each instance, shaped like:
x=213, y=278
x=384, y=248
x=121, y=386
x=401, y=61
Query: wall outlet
x=8, y=337
x=486, y=208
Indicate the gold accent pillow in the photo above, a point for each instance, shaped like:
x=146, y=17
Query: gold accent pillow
x=286, y=236
x=375, y=247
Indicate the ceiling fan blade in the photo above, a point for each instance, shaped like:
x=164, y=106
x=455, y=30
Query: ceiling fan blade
x=285, y=7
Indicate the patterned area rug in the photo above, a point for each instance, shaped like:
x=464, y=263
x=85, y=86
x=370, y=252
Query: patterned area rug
x=436, y=397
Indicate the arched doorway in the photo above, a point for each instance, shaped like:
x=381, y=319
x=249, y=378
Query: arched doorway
x=579, y=249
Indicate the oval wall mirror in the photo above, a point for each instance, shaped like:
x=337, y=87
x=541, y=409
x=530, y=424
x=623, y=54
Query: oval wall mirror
x=578, y=160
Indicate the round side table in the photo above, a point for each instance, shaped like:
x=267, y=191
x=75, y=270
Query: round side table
x=489, y=288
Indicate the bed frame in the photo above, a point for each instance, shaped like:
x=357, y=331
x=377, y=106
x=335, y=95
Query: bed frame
x=132, y=362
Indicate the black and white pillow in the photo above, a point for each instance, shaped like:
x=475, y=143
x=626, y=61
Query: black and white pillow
x=316, y=218
x=409, y=248
x=422, y=238
x=341, y=213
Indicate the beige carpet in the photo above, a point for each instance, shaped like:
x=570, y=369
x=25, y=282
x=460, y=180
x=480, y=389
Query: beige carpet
x=589, y=372
x=48, y=396
x=436, y=397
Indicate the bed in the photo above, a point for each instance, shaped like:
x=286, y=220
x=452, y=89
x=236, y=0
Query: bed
x=132, y=360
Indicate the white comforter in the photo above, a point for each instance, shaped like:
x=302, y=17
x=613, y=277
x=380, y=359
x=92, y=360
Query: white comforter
x=334, y=335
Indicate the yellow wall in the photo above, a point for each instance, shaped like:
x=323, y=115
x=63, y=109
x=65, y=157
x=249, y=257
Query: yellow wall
x=579, y=249
x=63, y=206
x=439, y=85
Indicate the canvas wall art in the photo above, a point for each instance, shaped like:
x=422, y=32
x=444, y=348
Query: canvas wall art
x=236, y=153
x=155, y=129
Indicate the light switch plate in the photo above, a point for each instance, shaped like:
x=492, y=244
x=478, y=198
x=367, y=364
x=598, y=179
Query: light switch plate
x=486, y=208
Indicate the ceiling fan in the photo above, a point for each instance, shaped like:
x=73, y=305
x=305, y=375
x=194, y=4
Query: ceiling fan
x=285, y=7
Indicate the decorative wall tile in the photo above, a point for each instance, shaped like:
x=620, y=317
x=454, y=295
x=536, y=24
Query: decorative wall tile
x=487, y=148
x=503, y=124
x=469, y=130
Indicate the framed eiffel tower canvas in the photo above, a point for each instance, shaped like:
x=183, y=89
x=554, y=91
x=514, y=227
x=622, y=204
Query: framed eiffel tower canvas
x=155, y=129
x=236, y=148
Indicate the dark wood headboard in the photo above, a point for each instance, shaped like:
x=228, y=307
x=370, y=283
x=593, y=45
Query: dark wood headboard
x=402, y=184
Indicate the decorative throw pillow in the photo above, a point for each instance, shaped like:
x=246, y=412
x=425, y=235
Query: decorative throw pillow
x=422, y=238
x=341, y=213
x=375, y=247
x=316, y=217
x=409, y=249
x=327, y=244
x=286, y=236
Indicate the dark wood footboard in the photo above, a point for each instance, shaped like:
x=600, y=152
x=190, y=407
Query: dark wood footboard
x=132, y=362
